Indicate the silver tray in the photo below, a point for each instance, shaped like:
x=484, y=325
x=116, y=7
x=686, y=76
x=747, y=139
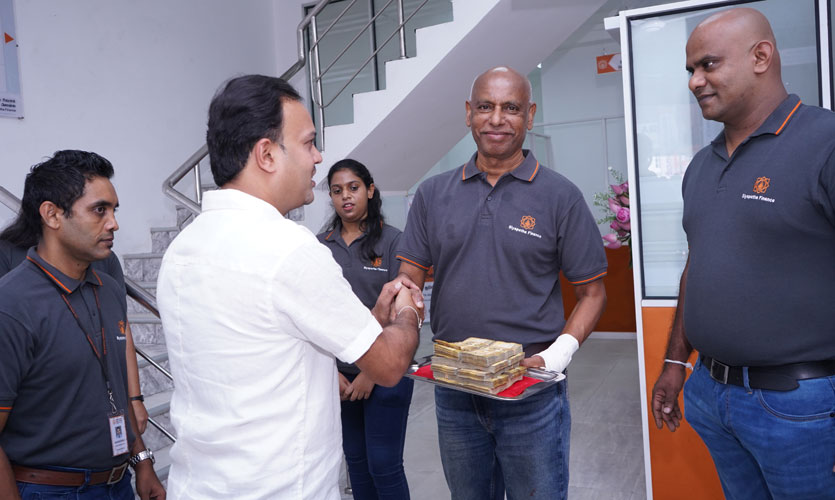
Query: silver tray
x=547, y=377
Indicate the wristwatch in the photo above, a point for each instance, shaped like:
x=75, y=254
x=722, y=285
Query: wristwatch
x=141, y=456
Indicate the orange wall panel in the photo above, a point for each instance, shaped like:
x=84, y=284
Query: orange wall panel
x=619, y=315
x=681, y=465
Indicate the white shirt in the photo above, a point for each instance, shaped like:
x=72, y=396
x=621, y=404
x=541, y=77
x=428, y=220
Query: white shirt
x=254, y=310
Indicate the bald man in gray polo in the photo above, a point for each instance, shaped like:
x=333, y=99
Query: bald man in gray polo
x=498, y=231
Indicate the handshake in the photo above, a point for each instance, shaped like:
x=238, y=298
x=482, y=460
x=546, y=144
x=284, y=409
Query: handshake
x=399, y=310
x=401, y=296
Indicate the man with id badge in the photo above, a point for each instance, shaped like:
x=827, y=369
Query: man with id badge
x=67, y=429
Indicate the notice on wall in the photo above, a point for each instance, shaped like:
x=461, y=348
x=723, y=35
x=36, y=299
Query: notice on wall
x=609, y=63
x=11, y=103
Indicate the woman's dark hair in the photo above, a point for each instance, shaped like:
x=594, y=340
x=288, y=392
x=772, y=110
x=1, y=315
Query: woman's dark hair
x=61, y=180
x=246, y=110
x=372, y=225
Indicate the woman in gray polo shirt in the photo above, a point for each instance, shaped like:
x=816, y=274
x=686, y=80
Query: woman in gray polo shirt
x=373, y=417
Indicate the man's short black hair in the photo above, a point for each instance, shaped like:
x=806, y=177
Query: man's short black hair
x=61, y=180
x=246, y=110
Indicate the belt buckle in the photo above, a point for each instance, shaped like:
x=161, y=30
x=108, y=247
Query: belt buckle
x=725, y=368
x=117, y=473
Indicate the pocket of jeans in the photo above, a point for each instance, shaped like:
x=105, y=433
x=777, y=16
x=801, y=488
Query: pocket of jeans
x=814, y=399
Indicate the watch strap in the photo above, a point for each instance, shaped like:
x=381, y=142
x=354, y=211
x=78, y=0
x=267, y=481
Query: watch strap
x=141, y=457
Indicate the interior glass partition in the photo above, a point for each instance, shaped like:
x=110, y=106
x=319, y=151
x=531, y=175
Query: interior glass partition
x=668, y=124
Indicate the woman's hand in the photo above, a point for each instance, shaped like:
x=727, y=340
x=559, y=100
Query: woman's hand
x=344, y=384
x=360, y=388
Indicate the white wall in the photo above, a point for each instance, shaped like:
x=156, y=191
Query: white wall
x=572, y=91
x=132, y=81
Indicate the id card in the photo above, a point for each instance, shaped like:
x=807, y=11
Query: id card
x=118, y=434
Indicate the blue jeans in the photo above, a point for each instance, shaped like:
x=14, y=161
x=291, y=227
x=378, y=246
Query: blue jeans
x=119, y=491
x=766, y=444
x=373, y=434
x=489, y=447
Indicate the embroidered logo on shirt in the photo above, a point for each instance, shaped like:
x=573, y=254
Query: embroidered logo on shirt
x=761, y=185
x=376, y=264
x=528, y=222
x=122, y=327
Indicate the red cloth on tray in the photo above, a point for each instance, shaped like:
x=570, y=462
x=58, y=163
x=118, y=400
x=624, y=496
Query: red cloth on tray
x=514, y=390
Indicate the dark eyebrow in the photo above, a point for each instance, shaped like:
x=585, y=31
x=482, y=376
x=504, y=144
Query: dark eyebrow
x=103, y=203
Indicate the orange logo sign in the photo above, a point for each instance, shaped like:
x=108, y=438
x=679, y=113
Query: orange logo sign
x=528, y=222
x=377, y=262
x=122, y=327
x=761, y=185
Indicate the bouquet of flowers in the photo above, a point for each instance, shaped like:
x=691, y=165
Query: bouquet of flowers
x=615, y=204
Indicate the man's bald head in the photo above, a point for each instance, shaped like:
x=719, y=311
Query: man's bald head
x=499, y=114
x=505, y=73
x=740, y=21
x=734, y=64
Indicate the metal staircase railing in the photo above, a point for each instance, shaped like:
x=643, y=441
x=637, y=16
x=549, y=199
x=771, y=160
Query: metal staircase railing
x=316, y=77
x=134, y=291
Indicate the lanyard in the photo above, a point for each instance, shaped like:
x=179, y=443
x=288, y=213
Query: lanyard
x=100, y=357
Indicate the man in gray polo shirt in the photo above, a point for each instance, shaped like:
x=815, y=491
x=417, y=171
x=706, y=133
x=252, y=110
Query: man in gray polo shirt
x=498, y=231
x=759, y=213
x=66, y=428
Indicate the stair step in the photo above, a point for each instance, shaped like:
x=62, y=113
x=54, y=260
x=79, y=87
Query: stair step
x=142, y=266
x=163, y=462
x=158, y=403
x=157, y=352
x=143, y=318
x=147, y=332
x=163, y=229
x=161, y=237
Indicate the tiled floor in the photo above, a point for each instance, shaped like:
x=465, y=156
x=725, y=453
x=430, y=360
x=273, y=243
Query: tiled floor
x=606, y=449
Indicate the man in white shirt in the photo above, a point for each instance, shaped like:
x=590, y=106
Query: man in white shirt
x=255, y=309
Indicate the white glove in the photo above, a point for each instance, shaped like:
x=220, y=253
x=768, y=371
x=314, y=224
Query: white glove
x=558, y=355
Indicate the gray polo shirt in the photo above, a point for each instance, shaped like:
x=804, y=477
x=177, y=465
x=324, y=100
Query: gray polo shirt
x=50, y=382
x=366, y=277
x=498, y=251
x=761, y=230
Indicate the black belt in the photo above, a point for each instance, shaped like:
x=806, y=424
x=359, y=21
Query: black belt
x=772, y=378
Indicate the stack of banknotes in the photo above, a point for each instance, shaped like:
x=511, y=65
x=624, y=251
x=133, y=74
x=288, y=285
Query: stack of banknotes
x=483, y=365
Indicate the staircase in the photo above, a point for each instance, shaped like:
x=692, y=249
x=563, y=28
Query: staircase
x=147, y=335
x=400, y=132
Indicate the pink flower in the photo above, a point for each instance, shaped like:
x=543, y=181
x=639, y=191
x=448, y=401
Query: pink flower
x=622, y=214
x=617, y=188
x=611, y=241
x=622, y=233
x=614, y=206
x=614, y=225
x=625, y=187
x=623, y=226
x=624, y=200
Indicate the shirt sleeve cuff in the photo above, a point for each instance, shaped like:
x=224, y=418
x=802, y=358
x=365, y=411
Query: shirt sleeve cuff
x=582, y=280
x=362, y=342
x=405, y=257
